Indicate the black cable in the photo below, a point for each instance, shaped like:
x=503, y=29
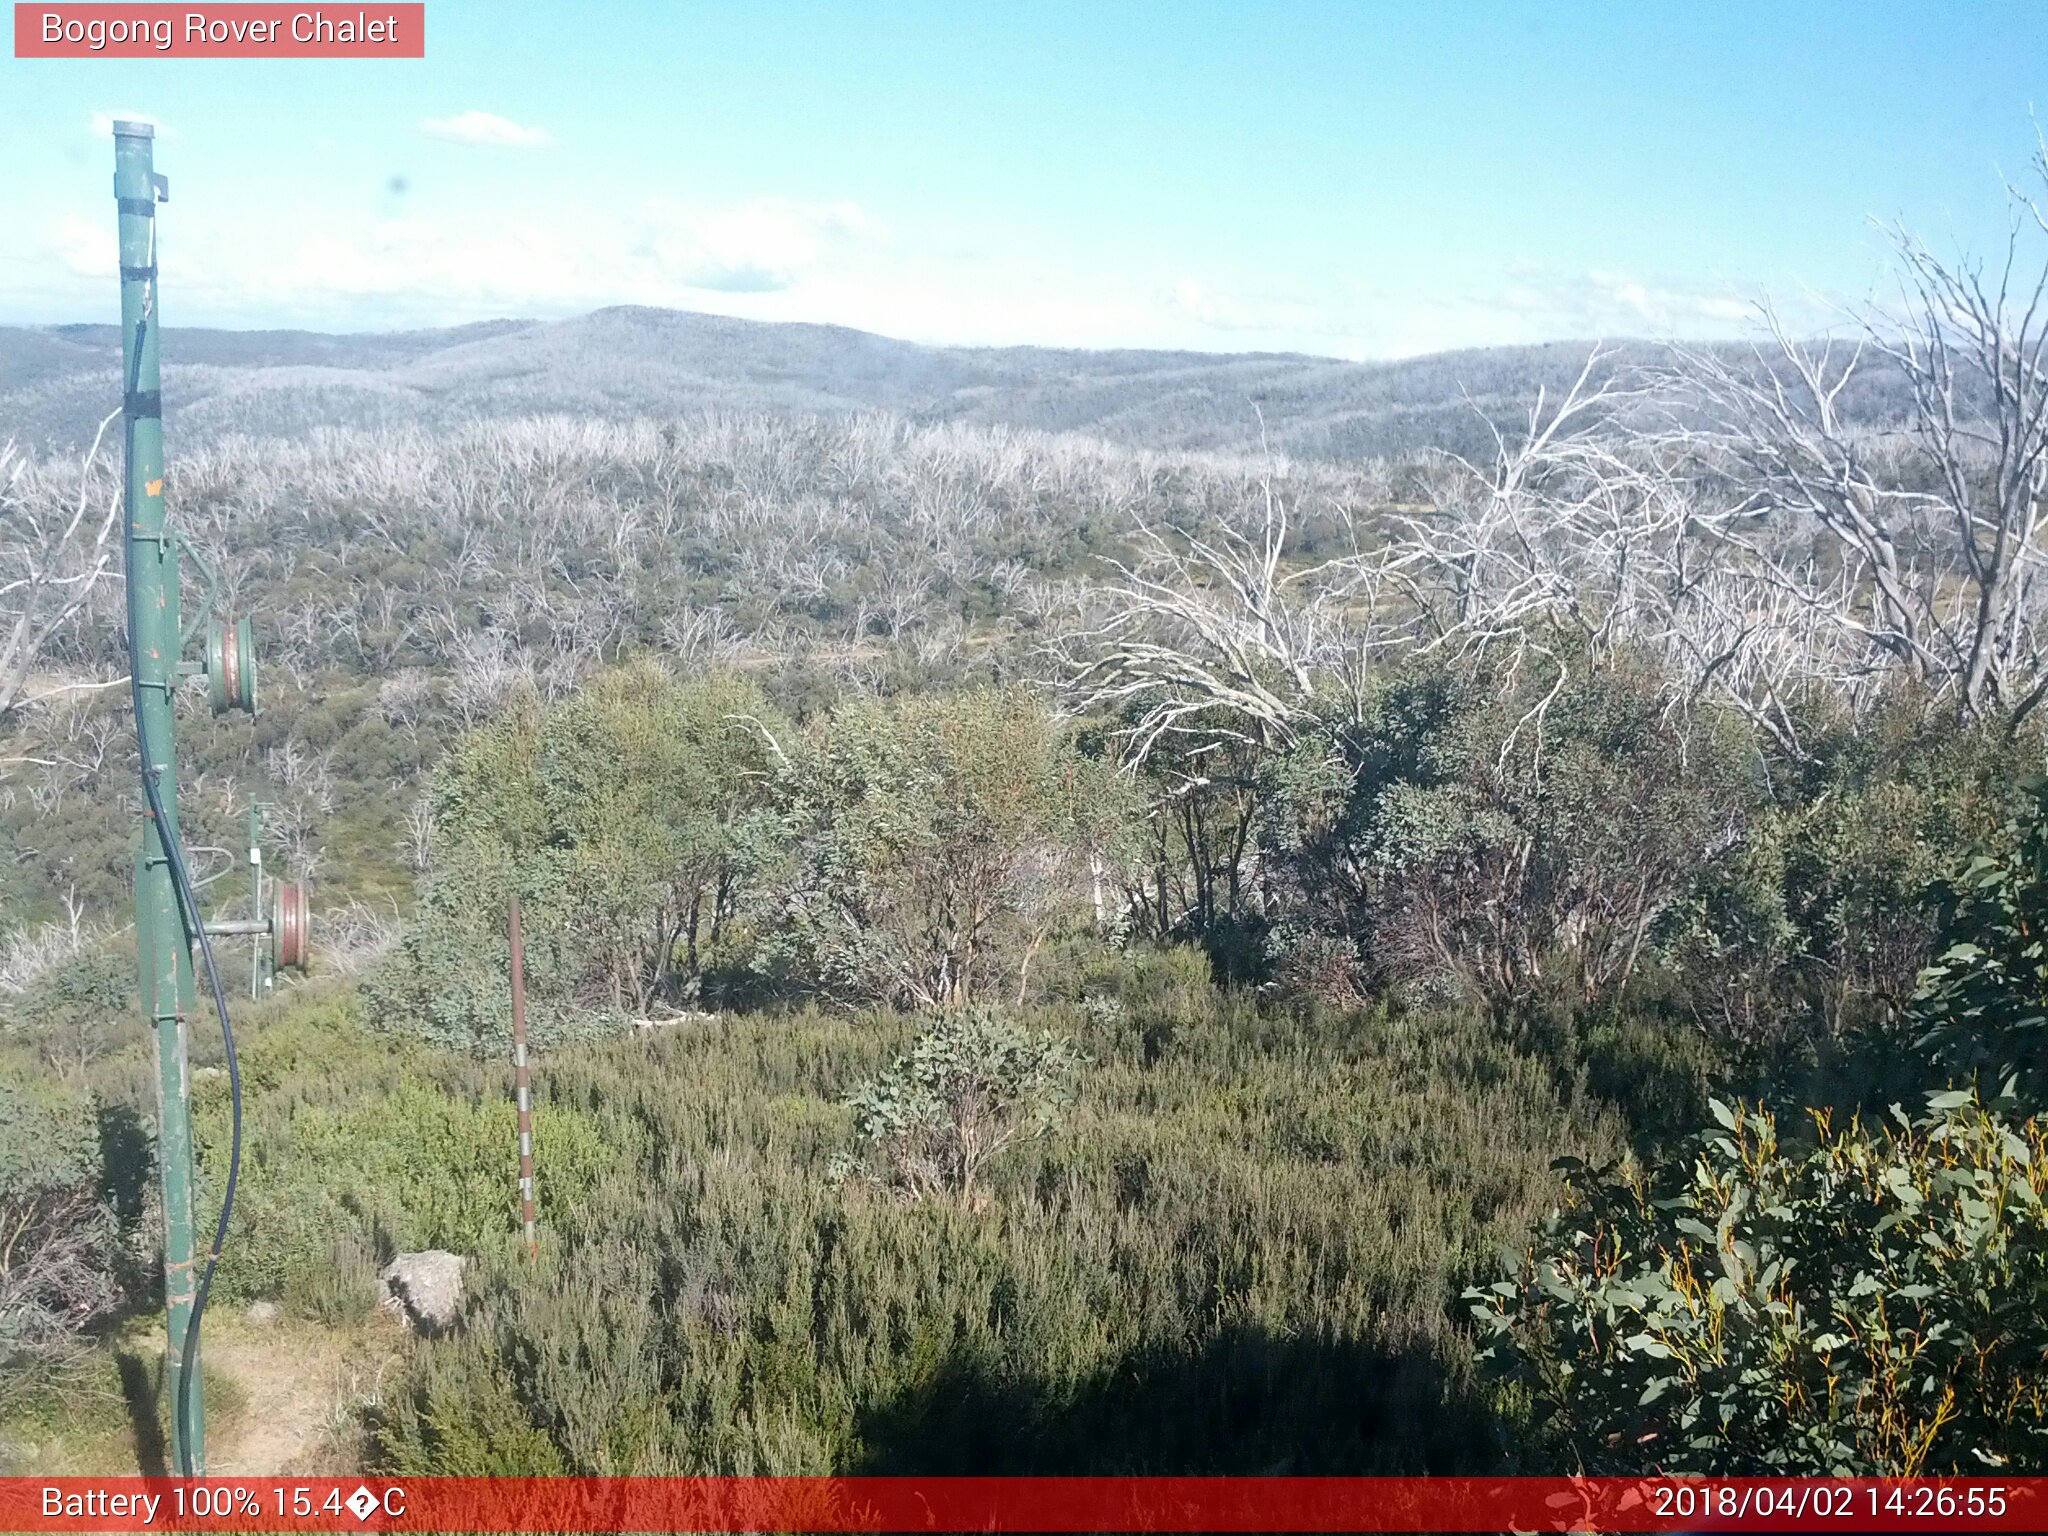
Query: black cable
x=188, y=899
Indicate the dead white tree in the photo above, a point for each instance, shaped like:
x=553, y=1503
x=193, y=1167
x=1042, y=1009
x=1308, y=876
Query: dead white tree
x=1583, y=539
x=1760, y=533
x=1211, y=636
x=52, y=556
x=1590, y=536
x=1932, y=526
x=1559, y=552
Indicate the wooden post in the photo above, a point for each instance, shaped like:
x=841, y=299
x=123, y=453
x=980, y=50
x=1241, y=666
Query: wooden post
x=519, y=1075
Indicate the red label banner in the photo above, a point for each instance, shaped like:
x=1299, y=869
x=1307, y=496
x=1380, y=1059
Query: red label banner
x=236, y=31
x=1049, y=1504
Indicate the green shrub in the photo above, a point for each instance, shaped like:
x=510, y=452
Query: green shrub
x=1872, y=834
x=337, y=1285
x=1873, y=1304
x=1139, y=977
x=928, y=850
x=80, y=1010
x=1501, y=840
x=1984, y=1000
x=619, y=818
x=1798, y=953
x=974, y=1084
x=354, y=1150
x=460, y=1421
x=1233, y=1257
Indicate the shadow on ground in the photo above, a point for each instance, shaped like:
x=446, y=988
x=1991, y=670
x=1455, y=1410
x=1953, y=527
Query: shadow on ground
x=141, y=1386
x=1247, y=1404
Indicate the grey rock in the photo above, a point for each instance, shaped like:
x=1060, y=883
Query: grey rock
x=264, y=1312
x=428, y=1285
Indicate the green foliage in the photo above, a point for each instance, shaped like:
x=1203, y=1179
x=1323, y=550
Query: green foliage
x=620, y=818
x=1232, y=1258
x=462, y=1421
x=1598, y=849
x=1870, y=1304
x=929, y=848
x=78, y=1009
x=1819, y=922
x=666, y=844
x=1657, y=1069
x=972, y=1085
x=356, y=1149
x=648, y=788
x=48, y=1143
x=1453, y=832
x=1168, y=980
x=337, y=1287
x=1200, y=844
x=1984, y=999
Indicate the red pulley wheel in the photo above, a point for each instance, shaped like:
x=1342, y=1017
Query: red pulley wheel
x=289, y=928
x=231, y=666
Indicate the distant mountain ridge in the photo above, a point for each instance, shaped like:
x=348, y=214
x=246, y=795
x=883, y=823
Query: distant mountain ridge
x=56, y=382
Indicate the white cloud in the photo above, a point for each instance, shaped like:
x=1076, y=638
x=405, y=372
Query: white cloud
x=1195, y=299
x=1666, y=307
x=830, y=261
x=773, y=258
x=1521, y=303
x=1263, y=319
x=762, y=246
x=86, y=247
x=486, y=128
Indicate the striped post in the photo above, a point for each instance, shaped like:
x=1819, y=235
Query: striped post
x=519, y=1075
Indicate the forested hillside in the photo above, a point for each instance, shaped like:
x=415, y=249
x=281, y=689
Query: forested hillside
x=621, y=364
x=1070, y=927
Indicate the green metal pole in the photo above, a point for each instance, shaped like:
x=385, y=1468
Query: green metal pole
x=256, y=945
x=163, y=948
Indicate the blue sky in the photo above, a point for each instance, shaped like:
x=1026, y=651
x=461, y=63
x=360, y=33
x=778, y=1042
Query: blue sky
x=1360, y=179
